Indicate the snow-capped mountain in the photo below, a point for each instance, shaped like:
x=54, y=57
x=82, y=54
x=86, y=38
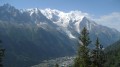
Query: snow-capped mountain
x=32, y=35
x=65, y=22
x=72, y=22
x=63, y=19
x=68, y=23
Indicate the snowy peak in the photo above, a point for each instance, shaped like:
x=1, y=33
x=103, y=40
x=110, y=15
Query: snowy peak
x=70, y=20
x=69, y=23
x=33, y=10
x=89, y=24
x=72, y=15
x=49, y=13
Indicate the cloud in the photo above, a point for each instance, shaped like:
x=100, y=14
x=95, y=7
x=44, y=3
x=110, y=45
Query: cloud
x=112, y=20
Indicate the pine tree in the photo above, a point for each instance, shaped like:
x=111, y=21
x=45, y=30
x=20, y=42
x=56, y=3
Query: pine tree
x=102, y=57
x=83, y=60
x=56, y=65
x=1, y=55
x=98, y=55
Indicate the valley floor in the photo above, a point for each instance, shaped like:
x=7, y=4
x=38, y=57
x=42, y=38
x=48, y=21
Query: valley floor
x=61, y=61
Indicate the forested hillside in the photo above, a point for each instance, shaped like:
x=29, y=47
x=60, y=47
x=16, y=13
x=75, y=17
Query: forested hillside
x=113, y=55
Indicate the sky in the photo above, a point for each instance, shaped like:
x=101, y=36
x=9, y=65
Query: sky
x=105, y=12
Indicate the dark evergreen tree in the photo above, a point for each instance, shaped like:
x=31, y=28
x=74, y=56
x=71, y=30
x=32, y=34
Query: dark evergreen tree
x=98, y=56
x=56, y=65
x=102, y=57
x=1, y=55
x=83, y=60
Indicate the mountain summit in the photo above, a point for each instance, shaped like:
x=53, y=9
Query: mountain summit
x=32, y=35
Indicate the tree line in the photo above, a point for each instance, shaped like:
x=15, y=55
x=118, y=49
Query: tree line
x=87, y=57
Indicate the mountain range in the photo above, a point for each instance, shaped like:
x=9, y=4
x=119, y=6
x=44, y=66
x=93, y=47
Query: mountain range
x=32, y=35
